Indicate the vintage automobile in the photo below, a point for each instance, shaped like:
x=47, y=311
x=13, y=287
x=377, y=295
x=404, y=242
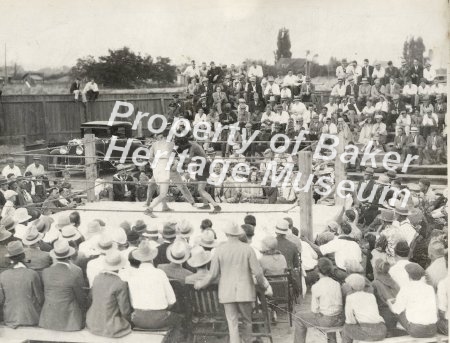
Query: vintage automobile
x=71, y=156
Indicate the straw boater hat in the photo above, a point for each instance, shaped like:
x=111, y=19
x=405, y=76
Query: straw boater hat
x=32, y=237
x=207, y=239
x=282, y=227
x=21, y=215
x=178, y=251
x=384, y=180
x=8, y=223
x=105, y=244
x=146, y=251
x=9, y=194
x=119, y=236
x=113, y=261
x=62, y=220
x=70, y=233
x=151, y=233
x=36, y=158
x=169, y=230
x=4, y=234
x=199, y=257
x=232, y=229
x=185, y=228
x=62, y=249
x=93, y=228
x=14, y=248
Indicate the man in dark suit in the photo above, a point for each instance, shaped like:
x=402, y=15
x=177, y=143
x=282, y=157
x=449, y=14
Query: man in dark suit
x=253, y=88
x=169, y=234
x=416, y=72
x=65, y=299
x=3, y=188
x=256, y=105
x=214, y=73
x=400, y=142
x=391, y=71
x=434, y=151
x=307, y=91
x=205, y=90
x=75, y=89
x=367, y=70
x=36, y=259
x=352, y=88
x=123, y=188
x=415, y=144
x=395, y=107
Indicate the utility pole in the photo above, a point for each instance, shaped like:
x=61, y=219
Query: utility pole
x=6, y=72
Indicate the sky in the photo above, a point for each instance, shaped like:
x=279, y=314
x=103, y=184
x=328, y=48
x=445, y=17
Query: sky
x=53, y=33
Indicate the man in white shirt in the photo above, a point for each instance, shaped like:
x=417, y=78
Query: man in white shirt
x=191, y=72
x=36, y=168
x=416, y=304
x=378, y=72
x=397, y=270
x=297, y=106
x=339, y=89
x=410, y=93
x=151, y=294
x=404, y=121
x=329, y=127
x=285, y=92
x=255, y=70
x=332, y=107
x=438, y=88
x=290, y=80
x=341, y=70
x=406, y=230
x=428, y=73
x=91, y=90
x=272, y=89
x=11, y=168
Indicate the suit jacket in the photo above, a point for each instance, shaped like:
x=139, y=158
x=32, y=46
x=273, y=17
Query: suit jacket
x=400, y=141
x=212, y=73
x=22, y=296
x=348, y=90
x=391, y=72
x=304, y=87
x=2, y=199
x=420, y=141
x=208, y=90
x=74, y=87
x=119, y=188
x=219, y=97
x=111, y=309
x=65, y=300
x=234, y=263
x=37, y=259
x=161, y=258
x=439, y=142
x=252, y=89
x=364, y=72
x=392, y=89
x=416, y=74
x=289, y=251
x=256, y=107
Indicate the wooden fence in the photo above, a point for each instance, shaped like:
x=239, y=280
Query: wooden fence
x=25, y=119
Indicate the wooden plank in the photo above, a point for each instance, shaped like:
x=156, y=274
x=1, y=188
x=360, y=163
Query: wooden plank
x=91, y=167
x=306, y=199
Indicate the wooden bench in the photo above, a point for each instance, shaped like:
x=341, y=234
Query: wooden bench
x=409, y=339
x=26, y=334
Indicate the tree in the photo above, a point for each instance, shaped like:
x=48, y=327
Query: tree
x=413, y=48
x=283, y=45
x=125, y=69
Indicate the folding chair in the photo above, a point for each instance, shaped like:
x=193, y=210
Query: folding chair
x=282, y=292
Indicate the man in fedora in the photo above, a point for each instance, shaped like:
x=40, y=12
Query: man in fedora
x=235, y=265
x=21, y=290
x=36, y=168
x=151, y=308
x=36, y=259
x=169, y=234
x=65, y=299
x=405, y=229
x=199, y=260
x=109, y=314
x=104, y=245
x=177, y=253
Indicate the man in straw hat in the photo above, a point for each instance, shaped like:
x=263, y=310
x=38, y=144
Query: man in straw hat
x=21, y=290
x=169, y=233
x=177, y=253
x=36, y=168
x=11, y=168
x=235, y=260
x=8, y=208
x=199, y=260
x=65, y=299
x=105, y=244
x=151, y=309
x=35, y=257
x=111, y=307
x=417, y=317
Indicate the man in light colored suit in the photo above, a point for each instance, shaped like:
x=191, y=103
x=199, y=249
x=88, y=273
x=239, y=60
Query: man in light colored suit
x=234, y=264
x=219, y=99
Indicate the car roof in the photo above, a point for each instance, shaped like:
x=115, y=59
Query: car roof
x=105, y=123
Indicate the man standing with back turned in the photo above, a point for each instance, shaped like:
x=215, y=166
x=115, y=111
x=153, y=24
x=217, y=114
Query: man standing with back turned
x=235, y=264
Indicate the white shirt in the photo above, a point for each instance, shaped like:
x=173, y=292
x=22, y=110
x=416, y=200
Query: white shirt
x=35, y=171
x=427, y=121
x=274, y=88
x=149, y=287
x=326, y=297
x=298, y=107
x=90, y=86
x=255, y=71
x=309, y=257
x=442, y=296
x=14, y=170
x=329, y=128
x=285, y=93
x=339, y=90
x=399, y=273
x=423, y=90
x=429, y=75
x=282, y=117
x=200, y=118
x=340, y=72
x=266, y=116
x=418, y=301
x=378, y=73
x=344, y=251
x=367, y=314
x=439, y=89
x=290, y=80
x=410, y=90
x=93, y=268
x=8, y=209
x=191, y=71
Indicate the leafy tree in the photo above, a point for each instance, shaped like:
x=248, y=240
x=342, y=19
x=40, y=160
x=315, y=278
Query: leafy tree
x=283, y=45
x=413, y=48
x=123, y=68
